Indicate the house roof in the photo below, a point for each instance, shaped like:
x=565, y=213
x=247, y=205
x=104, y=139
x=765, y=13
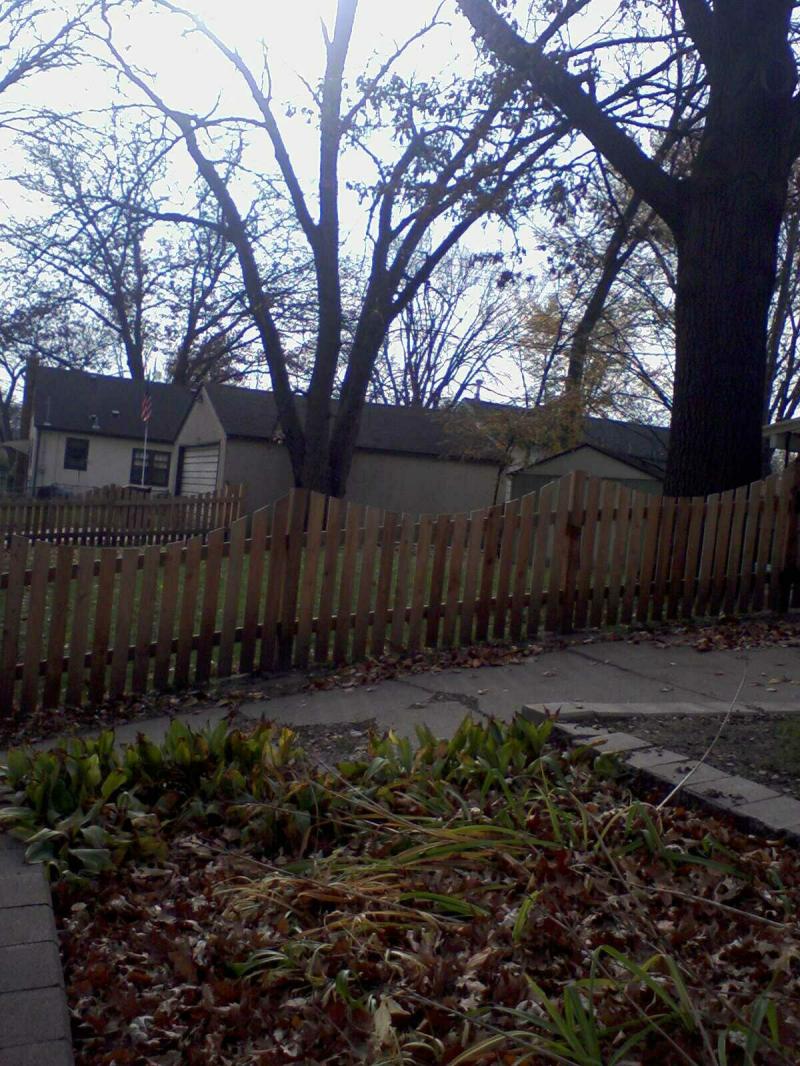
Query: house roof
x=252, y=413
x=630, y=442
x=73, y=401
x=785, y=434
x=652, y=468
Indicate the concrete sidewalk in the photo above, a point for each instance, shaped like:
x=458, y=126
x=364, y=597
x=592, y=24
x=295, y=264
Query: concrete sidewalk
x=34, y=1020
x=644, y=677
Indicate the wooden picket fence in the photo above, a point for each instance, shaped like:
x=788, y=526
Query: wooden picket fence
x=315, y=579
x=117, y=516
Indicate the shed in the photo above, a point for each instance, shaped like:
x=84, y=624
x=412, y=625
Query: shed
x=644, y=474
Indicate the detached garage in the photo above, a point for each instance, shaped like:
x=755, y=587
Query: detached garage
x=198, y=468
x=403, y=462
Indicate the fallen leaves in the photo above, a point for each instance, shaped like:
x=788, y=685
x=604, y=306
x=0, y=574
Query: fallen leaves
x=462, y=904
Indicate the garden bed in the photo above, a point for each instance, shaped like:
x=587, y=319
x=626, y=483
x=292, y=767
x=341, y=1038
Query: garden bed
x=490, y=899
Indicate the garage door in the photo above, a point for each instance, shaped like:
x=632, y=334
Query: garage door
x=198, y=470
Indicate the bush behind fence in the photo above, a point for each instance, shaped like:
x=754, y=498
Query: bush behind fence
x=311, y=579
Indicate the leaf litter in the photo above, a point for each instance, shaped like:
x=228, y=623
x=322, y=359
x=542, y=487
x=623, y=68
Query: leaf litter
x=489, y=899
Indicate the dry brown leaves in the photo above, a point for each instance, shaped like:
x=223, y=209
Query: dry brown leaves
x=363, y=962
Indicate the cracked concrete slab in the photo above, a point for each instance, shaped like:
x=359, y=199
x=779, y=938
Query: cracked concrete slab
x=713, y=675
x=501, y=691
x=612, y=677
x=574, y=712
x=398, y=705
x=326, y=706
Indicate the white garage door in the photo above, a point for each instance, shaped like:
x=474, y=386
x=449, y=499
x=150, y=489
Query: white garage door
x=199, y=465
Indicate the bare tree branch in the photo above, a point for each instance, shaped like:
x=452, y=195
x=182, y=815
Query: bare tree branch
x=564, y=90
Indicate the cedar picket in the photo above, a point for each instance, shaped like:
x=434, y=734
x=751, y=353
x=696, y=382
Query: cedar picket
x=580, y=549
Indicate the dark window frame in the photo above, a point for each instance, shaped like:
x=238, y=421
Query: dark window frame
x=150, y=468
x=71, y=462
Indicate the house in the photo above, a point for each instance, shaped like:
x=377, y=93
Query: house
x=86, y=430
x=404, y=458
x=631, y=453
x=784, y=436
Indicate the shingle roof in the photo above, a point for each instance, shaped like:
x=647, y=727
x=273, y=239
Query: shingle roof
x=629, y=441
x=650, y=467
x=76, y=402
x=252, y=413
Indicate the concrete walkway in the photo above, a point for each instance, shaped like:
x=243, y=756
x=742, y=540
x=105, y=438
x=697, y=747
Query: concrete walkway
x=34, y=1021
x=643, y=678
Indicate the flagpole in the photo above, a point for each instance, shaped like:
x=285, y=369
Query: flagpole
x=147, y=410
x=144, y=452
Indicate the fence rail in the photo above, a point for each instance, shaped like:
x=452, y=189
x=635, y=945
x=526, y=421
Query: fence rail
x=315, y=579
x=117, y=517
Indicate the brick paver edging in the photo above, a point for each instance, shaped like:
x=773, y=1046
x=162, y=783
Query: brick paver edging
x=34, y=1019
x=755, y=807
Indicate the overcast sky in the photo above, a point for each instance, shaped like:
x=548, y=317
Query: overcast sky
x=191, y=75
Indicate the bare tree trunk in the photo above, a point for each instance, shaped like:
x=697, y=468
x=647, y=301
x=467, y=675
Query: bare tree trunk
x=363, y=353
x=727, y=253
x=615, y=257
x=725, y=277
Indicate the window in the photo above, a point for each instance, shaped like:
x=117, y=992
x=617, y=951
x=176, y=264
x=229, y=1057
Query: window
x=76, y=453
x=156, y=469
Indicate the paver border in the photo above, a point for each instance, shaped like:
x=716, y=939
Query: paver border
x=34, y=1016
x=775, y=814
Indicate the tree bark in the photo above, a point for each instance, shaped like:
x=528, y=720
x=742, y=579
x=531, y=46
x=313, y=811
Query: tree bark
x=728, y=250
x=725, y=217
x=726, y=272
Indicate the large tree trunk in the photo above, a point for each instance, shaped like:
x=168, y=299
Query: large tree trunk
x=726, y=272
x=727, y=253
x=724, y=276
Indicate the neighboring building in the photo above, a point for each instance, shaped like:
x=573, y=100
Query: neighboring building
x=631, y=453
x=784, y=436
x=87, y=431
x=403, y=459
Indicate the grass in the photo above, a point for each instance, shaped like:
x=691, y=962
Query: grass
x=487, y=899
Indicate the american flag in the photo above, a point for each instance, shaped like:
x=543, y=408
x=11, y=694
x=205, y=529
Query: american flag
x=147, y=406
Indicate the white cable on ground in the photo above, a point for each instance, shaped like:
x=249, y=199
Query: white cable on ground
x=710, y=747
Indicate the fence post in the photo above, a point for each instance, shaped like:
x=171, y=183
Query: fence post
x=785, y=569
x=12, y=617
x=573, y=548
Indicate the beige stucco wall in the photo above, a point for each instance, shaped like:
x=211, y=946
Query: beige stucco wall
x=108, y=462
x=201, y=425
x=264, y=470
x=394, y=482
x=421, y=485
x=591, y=462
